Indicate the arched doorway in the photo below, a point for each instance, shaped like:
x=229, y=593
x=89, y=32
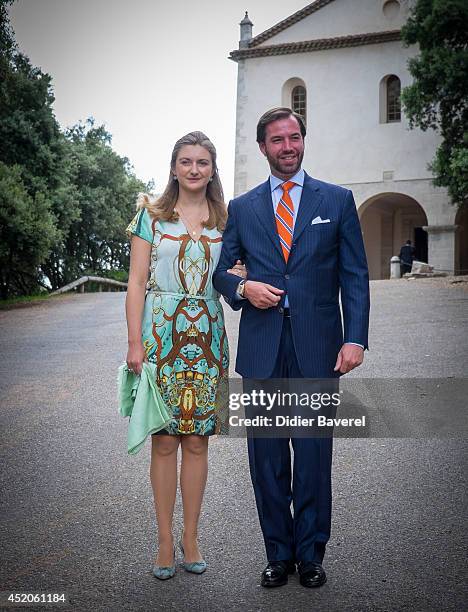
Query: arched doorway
x=461, y=241
x=387, y=221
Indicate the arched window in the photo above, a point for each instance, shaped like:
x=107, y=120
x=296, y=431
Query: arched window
x=393, y=99
x=299, y=101
x=389, y=99
x=391, y=8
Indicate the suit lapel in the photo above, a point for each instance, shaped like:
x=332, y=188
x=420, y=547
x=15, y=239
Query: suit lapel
x=310, y=201
x=263, y=207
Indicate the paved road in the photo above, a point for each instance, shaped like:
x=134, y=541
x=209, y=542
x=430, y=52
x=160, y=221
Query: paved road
x=77, y=511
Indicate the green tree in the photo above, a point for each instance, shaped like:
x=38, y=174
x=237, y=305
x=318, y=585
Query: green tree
x=438, y=96
x=7, y=39
x=106, y=190
x=66, y=198
x=32, y=153
x=27, y=233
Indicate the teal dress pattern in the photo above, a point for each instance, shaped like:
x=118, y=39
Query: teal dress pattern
x=183, y=329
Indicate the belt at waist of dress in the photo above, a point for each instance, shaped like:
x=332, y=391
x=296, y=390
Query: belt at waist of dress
x=181, y=296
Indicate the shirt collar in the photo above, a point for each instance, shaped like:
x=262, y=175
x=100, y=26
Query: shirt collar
x=298, y=178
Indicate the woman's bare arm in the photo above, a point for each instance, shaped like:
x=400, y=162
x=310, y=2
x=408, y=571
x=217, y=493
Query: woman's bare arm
x=140, y=255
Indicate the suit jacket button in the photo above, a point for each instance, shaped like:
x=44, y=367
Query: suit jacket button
x=281, y=310
x=286, y=276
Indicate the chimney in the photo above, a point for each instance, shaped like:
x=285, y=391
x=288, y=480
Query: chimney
x=245, y=32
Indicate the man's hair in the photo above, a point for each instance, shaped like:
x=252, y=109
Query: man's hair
x=408, y=242
x=280, y=112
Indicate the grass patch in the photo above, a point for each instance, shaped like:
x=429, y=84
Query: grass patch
x=23, y=300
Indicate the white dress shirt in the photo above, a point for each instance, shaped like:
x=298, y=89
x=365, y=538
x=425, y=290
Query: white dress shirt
x=294, y=193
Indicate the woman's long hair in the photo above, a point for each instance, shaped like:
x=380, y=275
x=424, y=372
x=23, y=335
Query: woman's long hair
x=162, y=207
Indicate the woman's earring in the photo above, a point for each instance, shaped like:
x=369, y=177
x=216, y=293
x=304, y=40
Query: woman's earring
x=211, y=178
x=174, y=177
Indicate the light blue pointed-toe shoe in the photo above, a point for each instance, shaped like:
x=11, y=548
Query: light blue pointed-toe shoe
x=197, y=567
x=164, y=573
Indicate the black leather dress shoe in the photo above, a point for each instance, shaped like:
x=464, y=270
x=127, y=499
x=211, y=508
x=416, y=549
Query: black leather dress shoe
x=276, y=573
x=311, y=574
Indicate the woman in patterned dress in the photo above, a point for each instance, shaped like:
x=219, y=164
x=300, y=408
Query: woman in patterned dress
x=179, y=326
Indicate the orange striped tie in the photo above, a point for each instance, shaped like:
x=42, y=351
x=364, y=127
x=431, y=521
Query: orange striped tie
x=285, y=219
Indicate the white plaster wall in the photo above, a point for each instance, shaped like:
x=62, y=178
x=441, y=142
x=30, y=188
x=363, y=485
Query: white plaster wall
x=371, y=228
x=346, y=144
x=242, y=134
x=433, y=200
x=441, y=247
x=341, y=18
x=345, y=141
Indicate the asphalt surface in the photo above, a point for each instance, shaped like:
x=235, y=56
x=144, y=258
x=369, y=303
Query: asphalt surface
x=77, y=514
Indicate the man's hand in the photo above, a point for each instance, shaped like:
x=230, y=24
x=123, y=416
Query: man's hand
x=262, y=295
x=350, y=356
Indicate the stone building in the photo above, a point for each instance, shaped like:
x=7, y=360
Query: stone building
x=341, y=64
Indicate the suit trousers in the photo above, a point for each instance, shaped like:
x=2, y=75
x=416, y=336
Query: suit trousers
x=301, y=536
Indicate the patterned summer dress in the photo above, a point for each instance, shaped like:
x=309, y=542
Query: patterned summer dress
x=183, y=325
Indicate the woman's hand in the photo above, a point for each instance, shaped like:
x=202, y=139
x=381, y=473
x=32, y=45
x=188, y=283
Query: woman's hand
x=135, y=357
x=238, y=269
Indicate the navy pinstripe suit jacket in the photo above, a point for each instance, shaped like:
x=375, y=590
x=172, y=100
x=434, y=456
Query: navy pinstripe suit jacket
x=327, y=261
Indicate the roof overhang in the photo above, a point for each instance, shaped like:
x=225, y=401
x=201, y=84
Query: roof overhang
x=319, y=44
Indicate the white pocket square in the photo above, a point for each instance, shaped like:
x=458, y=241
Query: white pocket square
x=319, y=220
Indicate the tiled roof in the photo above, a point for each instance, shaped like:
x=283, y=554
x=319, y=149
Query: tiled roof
x=289, y=21
x=303, y=46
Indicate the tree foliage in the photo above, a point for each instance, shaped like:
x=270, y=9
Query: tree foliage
x=438, y=96
x=65, y=196
x=27, y=232
x=105, y=188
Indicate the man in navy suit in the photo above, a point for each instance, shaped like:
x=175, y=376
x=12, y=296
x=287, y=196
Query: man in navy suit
x=301, y=242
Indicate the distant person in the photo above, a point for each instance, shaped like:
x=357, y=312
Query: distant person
x=407, y=253
x=175, y=321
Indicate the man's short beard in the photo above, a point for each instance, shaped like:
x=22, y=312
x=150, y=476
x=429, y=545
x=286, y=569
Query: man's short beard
x=275, y=166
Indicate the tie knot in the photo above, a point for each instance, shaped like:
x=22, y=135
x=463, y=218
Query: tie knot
x=287, y=186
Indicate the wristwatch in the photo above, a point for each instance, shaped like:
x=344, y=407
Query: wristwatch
x=241, y=288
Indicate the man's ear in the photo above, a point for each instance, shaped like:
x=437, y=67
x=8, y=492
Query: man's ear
x=262, y=147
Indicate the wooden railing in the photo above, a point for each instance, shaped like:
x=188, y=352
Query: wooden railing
x=80, y=284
